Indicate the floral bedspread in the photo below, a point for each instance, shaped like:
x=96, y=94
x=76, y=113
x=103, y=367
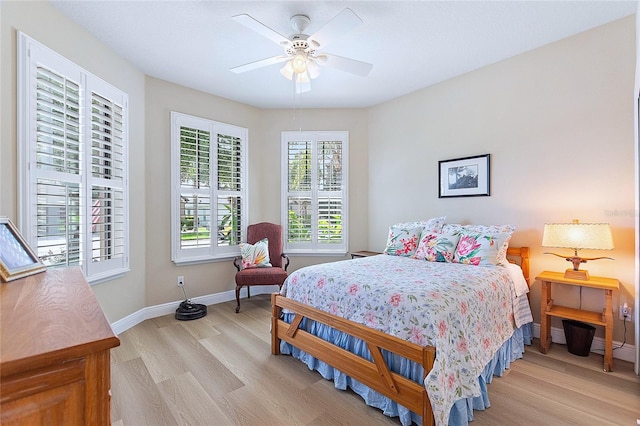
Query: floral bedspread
x=465, y=311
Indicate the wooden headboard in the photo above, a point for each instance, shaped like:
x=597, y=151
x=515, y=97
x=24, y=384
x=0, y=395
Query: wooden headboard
x=523, y=254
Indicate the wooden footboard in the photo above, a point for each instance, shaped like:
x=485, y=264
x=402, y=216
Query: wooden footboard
x=375, y=374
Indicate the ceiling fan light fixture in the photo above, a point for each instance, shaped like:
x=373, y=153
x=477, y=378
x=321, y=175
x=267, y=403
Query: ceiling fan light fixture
x=287, y=71
x=299, y=62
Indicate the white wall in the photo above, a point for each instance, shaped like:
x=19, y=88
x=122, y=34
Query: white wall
x=558, y=123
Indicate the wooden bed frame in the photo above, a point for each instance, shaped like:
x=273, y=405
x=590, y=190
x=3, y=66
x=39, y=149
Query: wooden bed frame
x=375, y=374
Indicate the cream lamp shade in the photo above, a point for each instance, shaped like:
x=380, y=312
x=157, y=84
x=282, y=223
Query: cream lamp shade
x=595, y=236
x=576, y=236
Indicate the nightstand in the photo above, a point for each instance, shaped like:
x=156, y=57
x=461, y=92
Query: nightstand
x=604, y=318
x=363, y=253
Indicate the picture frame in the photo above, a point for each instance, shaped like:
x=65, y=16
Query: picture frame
x=17, y=259
x=465, y=177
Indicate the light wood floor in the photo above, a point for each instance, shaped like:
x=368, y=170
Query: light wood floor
x=218, y=370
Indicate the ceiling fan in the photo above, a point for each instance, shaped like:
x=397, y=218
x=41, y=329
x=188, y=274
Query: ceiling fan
x=303, y=53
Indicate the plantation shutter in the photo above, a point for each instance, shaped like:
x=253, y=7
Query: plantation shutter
x=209, y=191
x=230, y=183
x=57, y=148
x=329, y=192
x=107, y=180
x=315, y=193
x=73, y=138
x=195, y=198
x=299, y=201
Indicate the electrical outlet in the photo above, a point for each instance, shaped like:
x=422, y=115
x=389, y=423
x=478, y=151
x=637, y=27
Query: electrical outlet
x=626, y=313
x=180, y=280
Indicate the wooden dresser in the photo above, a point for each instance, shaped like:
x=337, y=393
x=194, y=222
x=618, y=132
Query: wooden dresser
x=54, y=351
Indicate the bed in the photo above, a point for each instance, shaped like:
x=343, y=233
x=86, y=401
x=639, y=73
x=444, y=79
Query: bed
x=390, y=357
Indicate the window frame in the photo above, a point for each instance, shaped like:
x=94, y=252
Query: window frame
x=212, y=252
x=32, y=55
x=314, y=137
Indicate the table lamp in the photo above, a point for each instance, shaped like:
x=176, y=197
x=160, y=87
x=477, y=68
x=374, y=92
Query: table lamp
x=576, y=235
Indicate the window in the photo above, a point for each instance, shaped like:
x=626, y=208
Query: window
x=209, y=201
x=73, y=145
x=314, y=191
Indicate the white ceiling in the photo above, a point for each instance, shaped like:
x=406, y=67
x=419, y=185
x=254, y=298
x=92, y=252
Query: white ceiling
x=411, y=44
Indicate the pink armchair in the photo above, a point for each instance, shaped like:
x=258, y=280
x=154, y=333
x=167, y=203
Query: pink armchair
x=276, y=274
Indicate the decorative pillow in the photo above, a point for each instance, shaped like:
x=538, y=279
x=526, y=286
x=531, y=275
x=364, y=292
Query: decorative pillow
x=402, y=241
x=434, y=224
x=487, y=230
x=437, y=247
x=255, y=255
x=479, y=248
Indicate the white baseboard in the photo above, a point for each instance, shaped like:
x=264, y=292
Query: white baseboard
x=625, y=353
x=149, y=312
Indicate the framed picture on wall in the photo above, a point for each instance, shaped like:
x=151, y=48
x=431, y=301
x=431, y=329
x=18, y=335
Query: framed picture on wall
x=17, y=259
x=464, y=177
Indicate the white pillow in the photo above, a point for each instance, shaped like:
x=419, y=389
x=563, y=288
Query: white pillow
x=434, y=224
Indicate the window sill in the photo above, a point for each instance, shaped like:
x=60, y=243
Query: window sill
x=99, y=279
x=207, y=259
x=315, y=252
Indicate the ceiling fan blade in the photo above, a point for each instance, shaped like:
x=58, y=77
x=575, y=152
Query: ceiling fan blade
x=346, y=64
x=341, y=24
x=261, y=29
x=259, y=64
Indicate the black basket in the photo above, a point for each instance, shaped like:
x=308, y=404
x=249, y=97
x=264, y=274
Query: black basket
x=579, y=337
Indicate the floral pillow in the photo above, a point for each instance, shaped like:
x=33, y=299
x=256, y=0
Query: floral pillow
x=437, y=247
x=488, y=230
x=479, y=249
x=255, y=255
x=402, y=241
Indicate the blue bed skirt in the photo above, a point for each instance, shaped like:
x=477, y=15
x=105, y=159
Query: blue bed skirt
x=461, y=412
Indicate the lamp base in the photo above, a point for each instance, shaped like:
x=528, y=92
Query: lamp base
x=580, y=274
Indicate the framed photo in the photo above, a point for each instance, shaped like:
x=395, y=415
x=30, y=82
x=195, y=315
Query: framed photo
x=464, y=177
x=17, y=259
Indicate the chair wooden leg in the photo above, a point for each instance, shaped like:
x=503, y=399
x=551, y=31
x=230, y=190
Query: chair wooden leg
x=248, y=292
x=238, y=287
